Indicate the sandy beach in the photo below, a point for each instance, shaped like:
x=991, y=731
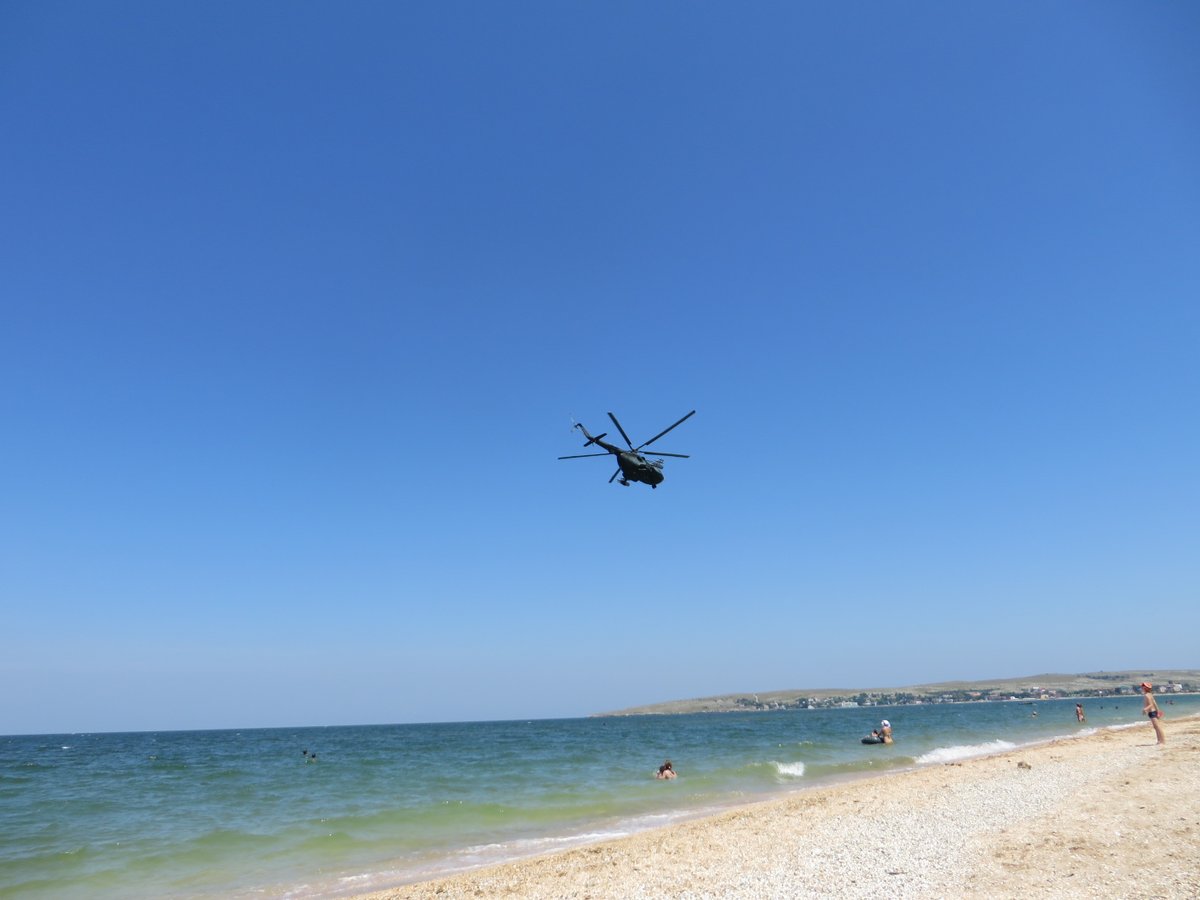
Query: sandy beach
x=1107, y=815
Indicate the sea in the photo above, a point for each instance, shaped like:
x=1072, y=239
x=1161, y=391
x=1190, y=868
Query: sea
x=339, y=811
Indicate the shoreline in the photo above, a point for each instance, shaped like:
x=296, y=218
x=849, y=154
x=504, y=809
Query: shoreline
x=1074, y=816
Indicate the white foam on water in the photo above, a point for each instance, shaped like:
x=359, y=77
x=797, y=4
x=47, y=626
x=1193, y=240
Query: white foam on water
x=791, y=770
x=565, y=840
x=963, y=751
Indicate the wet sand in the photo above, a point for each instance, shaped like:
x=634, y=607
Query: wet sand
x=1106, y=815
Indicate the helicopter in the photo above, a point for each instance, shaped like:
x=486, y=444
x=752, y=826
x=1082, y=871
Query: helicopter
x=632, y=465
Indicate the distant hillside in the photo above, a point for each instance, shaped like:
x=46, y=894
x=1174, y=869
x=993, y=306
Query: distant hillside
x=1087, y=684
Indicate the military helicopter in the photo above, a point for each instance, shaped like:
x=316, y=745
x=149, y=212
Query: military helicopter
x=632, y=465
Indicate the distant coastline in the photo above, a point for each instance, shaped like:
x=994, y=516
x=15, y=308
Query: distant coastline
x=1030, y=688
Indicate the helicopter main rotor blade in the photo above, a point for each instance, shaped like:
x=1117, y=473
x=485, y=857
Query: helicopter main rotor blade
x=616, y=473
x=583, y=455
x=622, y=430
x=664, y=431
x=661, y=453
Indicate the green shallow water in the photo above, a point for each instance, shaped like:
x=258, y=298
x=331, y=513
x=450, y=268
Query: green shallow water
x=241, y=813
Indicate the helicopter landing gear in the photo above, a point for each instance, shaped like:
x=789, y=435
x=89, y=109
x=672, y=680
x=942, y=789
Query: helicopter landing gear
x=623, y=483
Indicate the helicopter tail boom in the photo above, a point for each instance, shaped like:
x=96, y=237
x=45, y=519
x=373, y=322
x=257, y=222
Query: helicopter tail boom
x=591, y=438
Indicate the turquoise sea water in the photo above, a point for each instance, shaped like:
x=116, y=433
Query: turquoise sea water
x=241, y=813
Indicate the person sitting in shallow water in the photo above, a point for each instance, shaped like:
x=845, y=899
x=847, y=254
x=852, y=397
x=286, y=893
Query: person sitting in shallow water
x=666, y=770
x=885, y=731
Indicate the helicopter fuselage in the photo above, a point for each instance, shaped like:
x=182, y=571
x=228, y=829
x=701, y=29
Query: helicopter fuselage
x=636, y=467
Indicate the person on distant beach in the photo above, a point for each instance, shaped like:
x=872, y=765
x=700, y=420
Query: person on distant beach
x=1150, y=708
x=885, y=731
x=666, y=770
x=1079, y=716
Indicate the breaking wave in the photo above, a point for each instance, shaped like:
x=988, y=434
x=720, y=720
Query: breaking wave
x=963, y=751
x=791, y=770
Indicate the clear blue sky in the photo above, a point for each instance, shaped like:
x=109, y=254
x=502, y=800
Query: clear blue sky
x=298, y=300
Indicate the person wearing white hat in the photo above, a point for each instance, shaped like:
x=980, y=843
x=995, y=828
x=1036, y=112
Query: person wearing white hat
x=885, y=729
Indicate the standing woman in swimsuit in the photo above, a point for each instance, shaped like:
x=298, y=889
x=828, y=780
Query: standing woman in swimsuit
x=1150, y=708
